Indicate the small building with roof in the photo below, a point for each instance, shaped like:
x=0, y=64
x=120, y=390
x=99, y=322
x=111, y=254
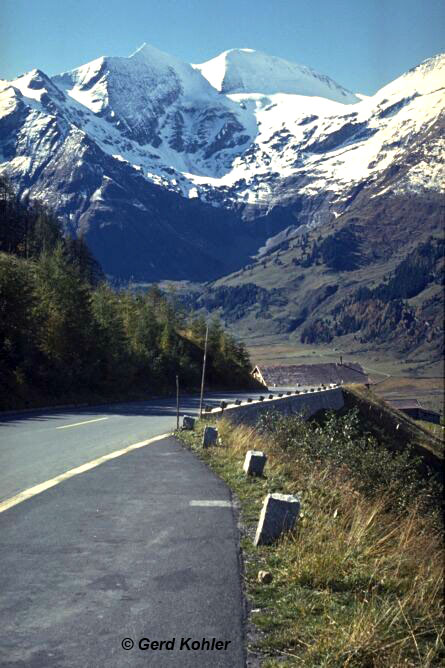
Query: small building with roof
x=310, y=374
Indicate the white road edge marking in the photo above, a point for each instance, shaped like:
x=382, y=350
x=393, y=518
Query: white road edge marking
x=211, y=504
x=77, y=424
x=38, y=489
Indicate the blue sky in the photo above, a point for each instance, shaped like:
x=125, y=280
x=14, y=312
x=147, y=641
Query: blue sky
x=362, y=44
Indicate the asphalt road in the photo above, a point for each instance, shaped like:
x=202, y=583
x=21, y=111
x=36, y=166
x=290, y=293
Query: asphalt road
x=35, y=447
x=142, y=548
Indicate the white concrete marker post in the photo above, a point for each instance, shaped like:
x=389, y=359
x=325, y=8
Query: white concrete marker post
x=188, y=422
x=210, y=437
x=254, y=462
x=278, y=515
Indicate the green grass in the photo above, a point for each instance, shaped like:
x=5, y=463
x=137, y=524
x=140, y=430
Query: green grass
x=356, y=584
x=437, y=430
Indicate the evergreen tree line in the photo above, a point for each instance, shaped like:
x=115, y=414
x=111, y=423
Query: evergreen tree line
x=339, y=251
x=421, y=267
x=234, y=300
x=28, y=231
x=382, y=313
x=66, y=335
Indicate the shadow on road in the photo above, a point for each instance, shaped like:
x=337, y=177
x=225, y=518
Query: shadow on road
x=149, y=408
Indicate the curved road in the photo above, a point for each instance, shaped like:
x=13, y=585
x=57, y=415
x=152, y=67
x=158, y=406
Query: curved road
x=37, y=446
x=143, y=548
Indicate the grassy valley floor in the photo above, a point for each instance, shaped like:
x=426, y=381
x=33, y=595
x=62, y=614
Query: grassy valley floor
x=395, y=379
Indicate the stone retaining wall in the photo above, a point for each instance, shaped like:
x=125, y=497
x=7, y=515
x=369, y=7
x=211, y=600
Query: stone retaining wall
x=306, y=404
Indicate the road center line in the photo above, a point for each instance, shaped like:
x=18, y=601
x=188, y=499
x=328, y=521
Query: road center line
x=77, y=424
x=38, y=489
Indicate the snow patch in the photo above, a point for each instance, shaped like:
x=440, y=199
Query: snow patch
x=249, y=71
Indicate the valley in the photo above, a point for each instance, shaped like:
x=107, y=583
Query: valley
x=266, y=193
x=393, y=378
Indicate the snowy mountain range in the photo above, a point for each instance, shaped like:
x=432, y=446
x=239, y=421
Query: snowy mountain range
x=174, y=170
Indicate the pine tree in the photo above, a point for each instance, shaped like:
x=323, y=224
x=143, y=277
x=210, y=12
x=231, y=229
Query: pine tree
x=18, y=329
x=198, y=330
x=68, y=332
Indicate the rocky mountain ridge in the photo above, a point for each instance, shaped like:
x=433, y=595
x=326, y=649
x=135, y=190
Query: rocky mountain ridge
x=179, y=171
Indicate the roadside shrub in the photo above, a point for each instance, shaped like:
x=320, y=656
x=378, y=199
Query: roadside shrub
x=340, y=441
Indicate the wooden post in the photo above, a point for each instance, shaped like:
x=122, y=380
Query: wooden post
x=203, y=372
x=177, y=402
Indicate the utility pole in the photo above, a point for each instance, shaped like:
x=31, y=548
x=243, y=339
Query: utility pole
x=203, y=372
x=177, y=402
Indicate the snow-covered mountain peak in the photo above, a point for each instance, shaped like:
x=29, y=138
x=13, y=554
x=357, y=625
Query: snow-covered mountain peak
x=148, y=75
x=423, y=79
x=250, y=71
x=193, y=84
x=163, y=65
x=153, y=54
x=156, y=100
x=34, y=85
x=244, y=129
